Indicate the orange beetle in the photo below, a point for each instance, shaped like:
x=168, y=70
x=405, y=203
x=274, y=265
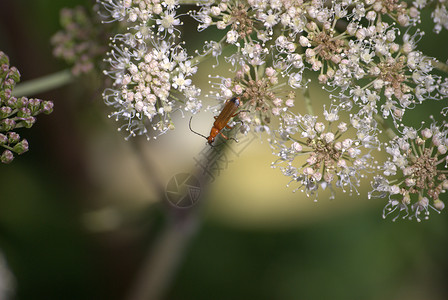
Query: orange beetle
x=222, y=120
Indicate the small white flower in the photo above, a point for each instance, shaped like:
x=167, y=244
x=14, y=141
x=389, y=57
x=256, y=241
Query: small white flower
x=232, y=37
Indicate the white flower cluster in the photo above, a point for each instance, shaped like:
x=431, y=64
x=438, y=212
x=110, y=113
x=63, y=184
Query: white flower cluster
x=149, y=67
x=362, y=52
x=415, y=175
x=316, y=154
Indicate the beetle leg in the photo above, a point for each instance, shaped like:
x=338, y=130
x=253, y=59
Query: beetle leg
x=224, y=136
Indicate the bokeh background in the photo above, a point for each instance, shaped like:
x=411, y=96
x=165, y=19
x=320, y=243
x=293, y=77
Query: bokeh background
x=81, y=213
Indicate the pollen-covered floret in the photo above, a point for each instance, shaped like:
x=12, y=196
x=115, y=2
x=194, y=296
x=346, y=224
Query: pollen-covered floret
x=263, y=97
x=415, y=176
x=317, y=155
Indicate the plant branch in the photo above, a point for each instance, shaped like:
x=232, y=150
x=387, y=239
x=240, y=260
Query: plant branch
x=390, y=133
x=42, y=84
x=440, y=66
x=307, y=98
x=165, y=256
x=163, y=260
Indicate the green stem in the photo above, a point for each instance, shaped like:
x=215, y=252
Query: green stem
x=306, y=96
x=201, y=58
x=164, y=259
x=188, y=2
x=42, y=84
x=390, y=133
x=440, y=66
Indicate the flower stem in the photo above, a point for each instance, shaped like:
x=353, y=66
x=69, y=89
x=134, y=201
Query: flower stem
x=164, y=258
x=307, y=98
x=440, y=66
x=188, y=2
x=390, y=133
x=42, y=84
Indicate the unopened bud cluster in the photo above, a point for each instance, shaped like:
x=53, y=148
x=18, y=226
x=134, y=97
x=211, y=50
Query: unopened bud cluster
x=15, y=112
x=79, y=43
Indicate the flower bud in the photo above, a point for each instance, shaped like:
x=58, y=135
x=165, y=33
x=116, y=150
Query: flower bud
x=308, y=171
x=342, y=127
x=406, y=199
x=21, y=102
x=47, y=107
x=311, y=26
x=328, y=177
x=371, y=15
x=317, y=176
x=270, y=71
x=323, y=78
x=215, y=10
x=7, y=125
x=12, y=102
x=329, y=137
x=21, y=147
x=289, y=103
x=6, y=157
x=309, y=52
x=438, y=204
x=5, y=111
x=426, y=133
x=311, y=160
x=409, y=182
x=27, y=122
x=338, y=146
x=445, y=184
x=3, y=139
x=351, y=28
x=24, y=112
x=414, y=12
x=296, y=147
x=394, y=47
x=13, y=137
x=395, y=189
x=4, y=60
x=304, y=42
x=34, y=105
x=342, y=164
x=407, y=48
x=14, y=74
x=320, y=127
x=403, y=20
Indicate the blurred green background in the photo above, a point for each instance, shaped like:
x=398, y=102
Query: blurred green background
x=80, y=212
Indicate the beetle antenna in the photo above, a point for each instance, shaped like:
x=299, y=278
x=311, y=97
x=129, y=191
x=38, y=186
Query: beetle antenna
x=189, y=125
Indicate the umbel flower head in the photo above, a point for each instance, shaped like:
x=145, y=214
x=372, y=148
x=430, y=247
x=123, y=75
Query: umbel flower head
x=318, y=155
x=150, y=69
x=363, y=52
x=415, y=176
x=81, y=42
x=261, y=94
x=15, y=112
